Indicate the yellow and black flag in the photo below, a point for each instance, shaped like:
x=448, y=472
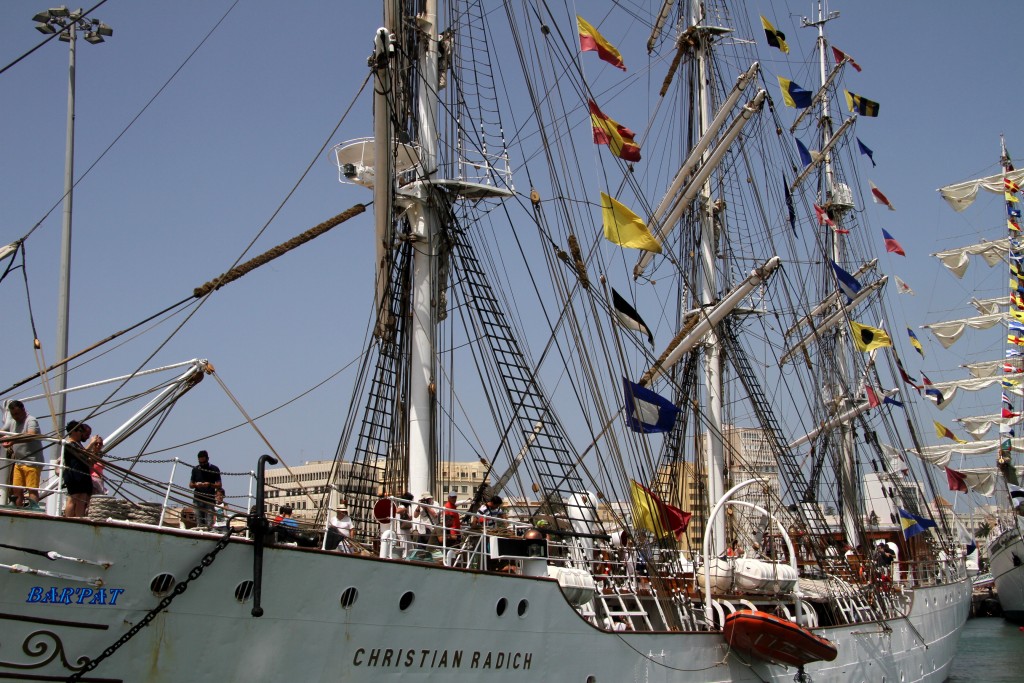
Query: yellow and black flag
x=867, y=338
x=861, y=105
x=775, y=38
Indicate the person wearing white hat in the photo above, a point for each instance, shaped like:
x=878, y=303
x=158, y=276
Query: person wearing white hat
x=339, y=529
x=424, y=519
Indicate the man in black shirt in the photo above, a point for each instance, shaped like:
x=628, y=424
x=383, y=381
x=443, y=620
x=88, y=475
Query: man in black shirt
x=205, y=482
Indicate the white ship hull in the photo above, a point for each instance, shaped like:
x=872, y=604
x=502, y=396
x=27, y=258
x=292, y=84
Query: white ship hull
x=1008, y=572
x=449, y=630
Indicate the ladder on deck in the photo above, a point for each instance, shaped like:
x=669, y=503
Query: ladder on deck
x=627, y=606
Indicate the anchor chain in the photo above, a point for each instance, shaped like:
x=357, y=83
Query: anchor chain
x=194, y=574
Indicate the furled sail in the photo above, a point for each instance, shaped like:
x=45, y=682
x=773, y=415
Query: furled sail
x=950, y=389
x=995, y=368
x=993, y=305
x=961, y=195
x=979, y=426
x=949, y=332
x=957, y=259
x=940, y=454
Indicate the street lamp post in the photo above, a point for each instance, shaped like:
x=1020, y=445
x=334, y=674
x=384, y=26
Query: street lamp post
x=66, y=23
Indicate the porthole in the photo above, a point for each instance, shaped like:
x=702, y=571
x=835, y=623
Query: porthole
x=349, y=597
x=501, y=606
x=591, y=679
x=243, y=591
x=523, y=607
x=406, y=601
x=162, y=584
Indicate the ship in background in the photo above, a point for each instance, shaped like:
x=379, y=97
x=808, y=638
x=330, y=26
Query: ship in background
x=989, y=463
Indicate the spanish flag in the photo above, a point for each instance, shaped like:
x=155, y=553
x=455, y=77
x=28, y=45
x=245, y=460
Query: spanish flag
x=609, y=132
x=775, y=38
x=867, y=338
x=592, y=41
x=625, y=228
x=861, y=105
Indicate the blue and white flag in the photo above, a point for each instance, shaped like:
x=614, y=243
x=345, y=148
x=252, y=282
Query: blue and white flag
x=848, y=284
x=646, y=411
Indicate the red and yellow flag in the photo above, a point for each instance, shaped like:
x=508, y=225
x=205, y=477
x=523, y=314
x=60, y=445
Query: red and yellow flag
x=592, y=41
x=945, y=432
x=609, y=132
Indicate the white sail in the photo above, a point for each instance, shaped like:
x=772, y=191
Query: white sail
x=940, y=454
x=961, y=195
x=958, y=259
x=979, y=426
x=950, y=389
x=994, y=368
x=948, y=333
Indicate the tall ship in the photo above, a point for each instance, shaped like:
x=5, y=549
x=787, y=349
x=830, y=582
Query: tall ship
x=988, y=463
x=635, y=278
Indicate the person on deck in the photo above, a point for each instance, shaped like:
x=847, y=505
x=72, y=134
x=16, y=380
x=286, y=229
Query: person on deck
x=424, y=520
x=403, y=516
x=452, y=522
x=79, y=457
x=287, y=526
x=492, y=512
x=27, y=456
x=220, y=512
x=339, y=529
x=204, y=482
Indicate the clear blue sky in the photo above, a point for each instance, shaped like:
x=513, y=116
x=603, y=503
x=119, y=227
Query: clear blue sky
x=176, y=200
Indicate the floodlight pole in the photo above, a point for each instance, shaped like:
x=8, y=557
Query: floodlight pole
x=64, y=281
x=66, y=23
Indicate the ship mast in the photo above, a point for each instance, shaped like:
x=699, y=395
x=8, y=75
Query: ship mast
x=837, y=204
x=712, y=368
x=424, y=225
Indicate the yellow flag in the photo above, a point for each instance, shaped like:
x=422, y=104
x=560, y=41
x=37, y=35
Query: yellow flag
x=945, y=432
x=869, y=338
x=625, y=228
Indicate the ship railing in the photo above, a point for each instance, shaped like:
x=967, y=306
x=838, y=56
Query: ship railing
x=477, y=542
x=111, y=500
x=49, y=481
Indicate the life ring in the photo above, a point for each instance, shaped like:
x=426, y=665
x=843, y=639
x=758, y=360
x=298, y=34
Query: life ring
x=383, y=510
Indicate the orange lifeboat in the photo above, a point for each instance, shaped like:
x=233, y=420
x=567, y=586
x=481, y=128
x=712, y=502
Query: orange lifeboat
x=775, y=639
